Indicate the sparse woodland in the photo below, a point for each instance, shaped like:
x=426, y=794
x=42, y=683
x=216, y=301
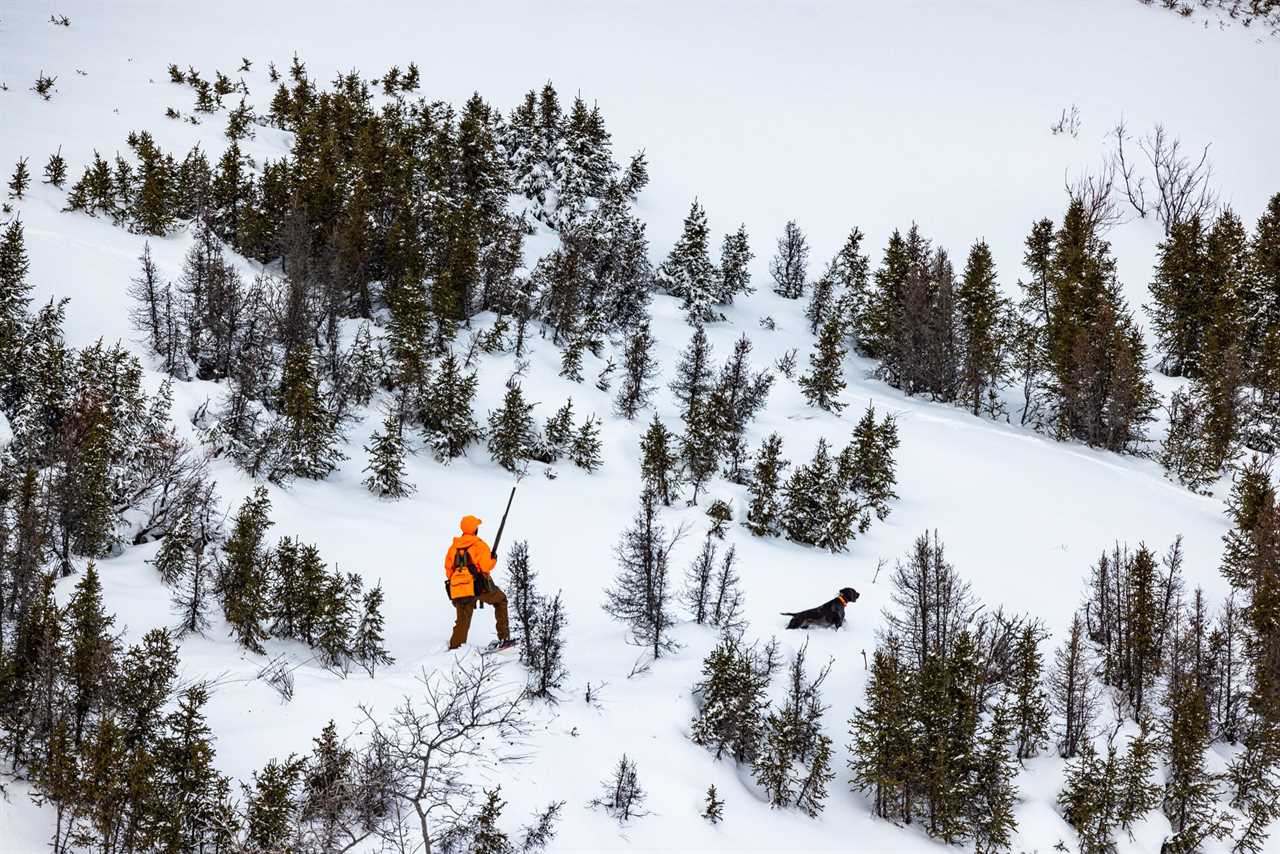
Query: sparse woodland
x=391, y=254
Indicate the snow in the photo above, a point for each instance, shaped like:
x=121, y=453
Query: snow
x=867, y=114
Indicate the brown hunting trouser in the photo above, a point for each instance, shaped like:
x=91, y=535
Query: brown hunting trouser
x=465, y=609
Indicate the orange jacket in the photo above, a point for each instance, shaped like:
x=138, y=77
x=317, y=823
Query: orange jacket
x=460, y=582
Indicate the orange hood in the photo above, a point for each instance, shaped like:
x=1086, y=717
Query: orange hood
x=470, y=524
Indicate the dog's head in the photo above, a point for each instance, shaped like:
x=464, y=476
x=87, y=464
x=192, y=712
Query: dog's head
x=850, y=595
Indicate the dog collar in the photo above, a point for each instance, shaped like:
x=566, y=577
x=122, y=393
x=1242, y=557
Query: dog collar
x=842, y=599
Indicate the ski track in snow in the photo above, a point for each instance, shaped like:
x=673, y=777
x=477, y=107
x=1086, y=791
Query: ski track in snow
x=869, y=115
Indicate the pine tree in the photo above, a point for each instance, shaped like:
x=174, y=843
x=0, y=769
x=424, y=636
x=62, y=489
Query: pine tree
x=486, y=836
x=884, y=749
x=764, y=515
x=732, y=698
x=867, y=465
x=20, y=180
x=687, y=272
x=55, y=171
x=585, y=451
x=271, y=804
x=245, y=570
x=367, y=642
x=824, y=382
x=386, y=452
x=547, y=670
x=14, y=298
x=639, y=369
x=735, y=259
x=447, y=423
x=850, y=272
x=1029, y=704
x=822, y=303
x=789, y=267
x=658, y=461
x=739, y=394
x=713, y=811
x=693, y=382
x=337, y=620
x=559, y=429
x=995, y=793
x=981, y=313
x=512, y=434
x=1072, y=693
x=1191, y=793
x=700, y=449
x=622, y=796
x=818, y=511
x=310, y=434
x=92, y=652
x=697, y=592
x=640, y=595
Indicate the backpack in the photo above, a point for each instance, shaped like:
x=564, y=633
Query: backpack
x=479, y=581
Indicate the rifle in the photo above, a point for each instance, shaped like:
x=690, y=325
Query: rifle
x=498, y=538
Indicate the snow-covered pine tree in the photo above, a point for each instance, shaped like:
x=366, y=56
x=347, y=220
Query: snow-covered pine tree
x=244, y=573
x=621, y=795
x=981, y=315
x=92, y=653
x=447, y=422
x=55, y=170
x=732, y=698
x=825, y=380
x=697, y=592
x=739, y=394
x=994, y=790
x=641, y=593
x=1028, y=703
x=688, y=272
x=585, y=450
x=867, y=465
x=20, y=180
x=658, y=461
x=513, y=437
x=1073, y=695
x=638, y=371
x=558, y=431
x=367, y=643
x=764, y=515
x=713, y=808
x=734, y=274
x=822, y=304
x=725, y=605
x=692, y=383
x=789, y=267
x=884, y=751
x=386, y=452
x=700, y=448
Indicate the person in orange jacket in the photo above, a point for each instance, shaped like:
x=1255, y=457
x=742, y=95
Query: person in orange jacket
x=467, y=567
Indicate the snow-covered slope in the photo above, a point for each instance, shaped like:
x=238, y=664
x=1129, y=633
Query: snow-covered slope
x=868, y=114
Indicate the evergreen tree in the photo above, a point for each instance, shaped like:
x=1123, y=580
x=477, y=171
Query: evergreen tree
x=1191, y=792
x=720, y=514
x=55, y=171
x=818, y=511
x=693, y=382
x=732, y=698
x=867, y=465
x=824, y=381
x=700, y=449
x=764, y=515
x=641, y=595
x=994, y=789
x=981, y=313
x=20, y=180
x=92, y=652
x=789, y=267
x=850, y=272
x=658, y=461
x=585, y=451
x=697, y=592
x=1028, y=709
x=367, y=642
x=714, y=809
x=1072, y=693
x=386, y=460
x=447, y=423
x=639, y=369
x=739, y=394
x=245, y=571
x=622, y=796
x=884, y=749
x=513, y=437
x=687, y=272
x=735, y=259
x=559, y=429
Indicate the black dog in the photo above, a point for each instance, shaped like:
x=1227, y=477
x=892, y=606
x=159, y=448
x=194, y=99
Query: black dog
x=831, y=614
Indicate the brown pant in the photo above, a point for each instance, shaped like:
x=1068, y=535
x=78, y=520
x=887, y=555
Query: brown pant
x=494, y=597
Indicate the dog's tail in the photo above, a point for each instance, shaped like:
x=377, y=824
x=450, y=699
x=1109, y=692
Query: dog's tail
x=788, y=613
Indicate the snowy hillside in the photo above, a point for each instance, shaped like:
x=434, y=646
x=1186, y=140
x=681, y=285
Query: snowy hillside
x=868, y=114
